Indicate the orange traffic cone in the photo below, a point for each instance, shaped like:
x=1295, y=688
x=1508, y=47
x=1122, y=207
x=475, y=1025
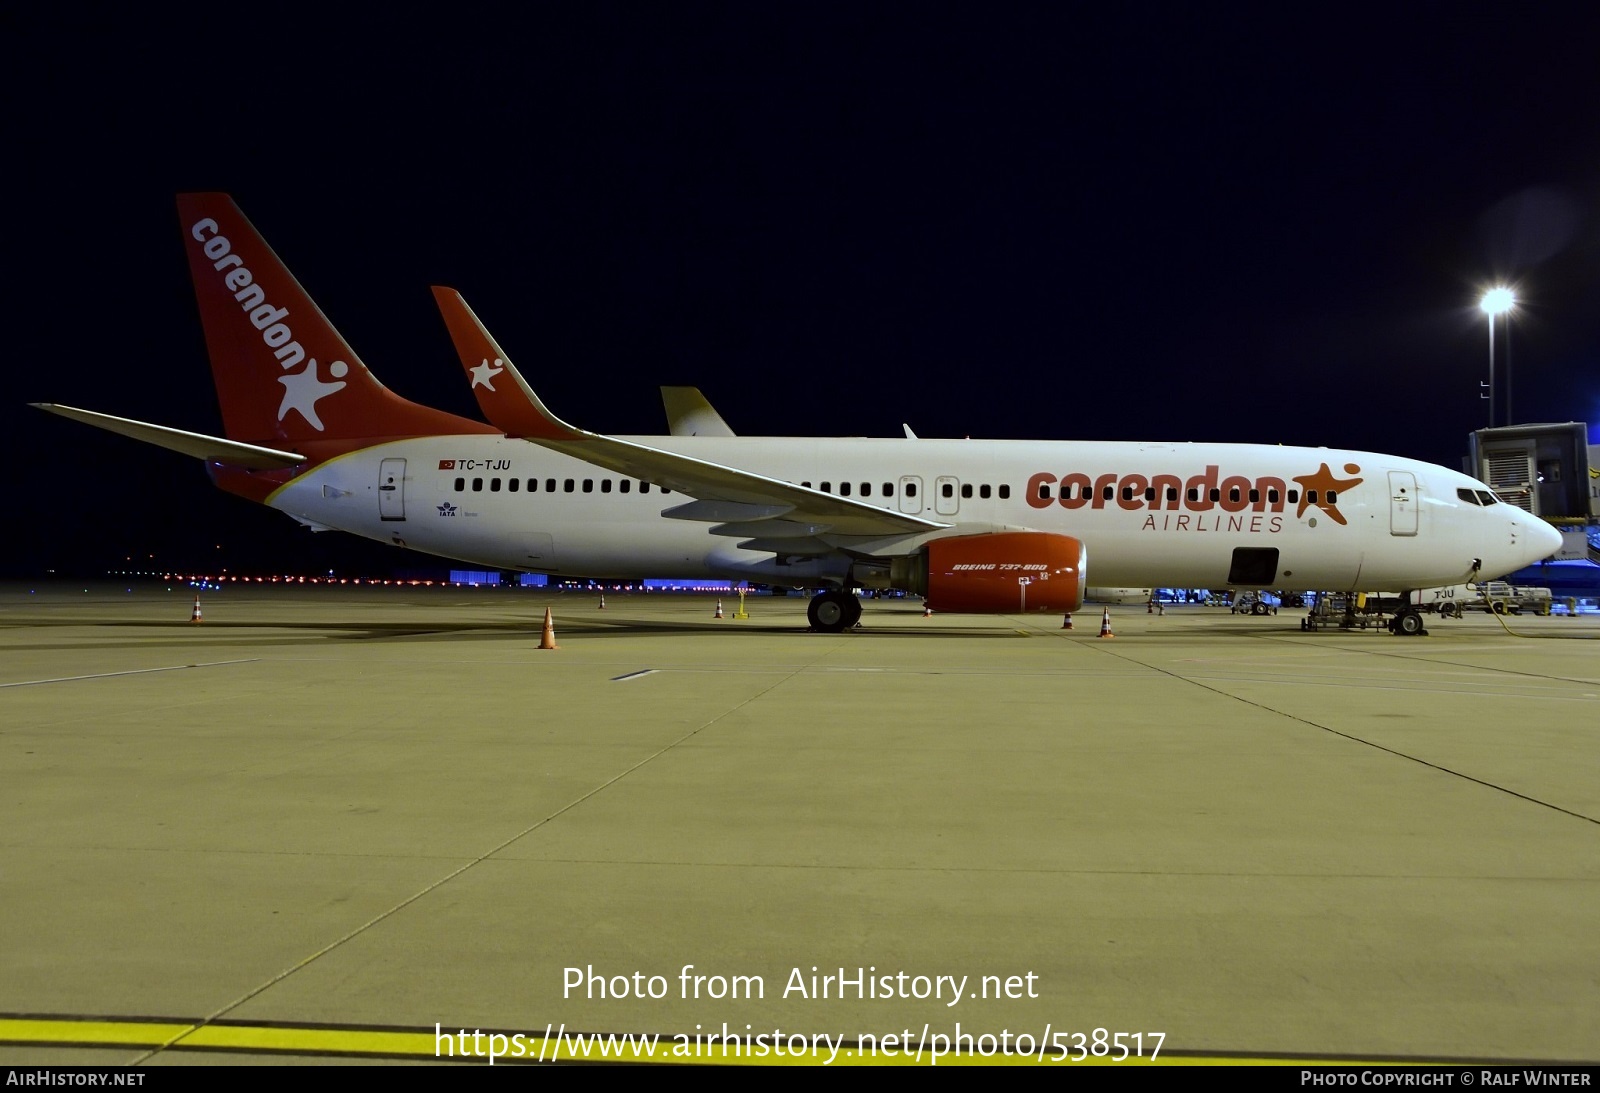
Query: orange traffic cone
x=548, y=641
x=718, y=615
x=1105, y=624
x=194, y=616
x=1066, y=621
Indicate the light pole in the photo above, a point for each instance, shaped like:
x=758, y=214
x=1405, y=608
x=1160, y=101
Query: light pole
x=1498, y=301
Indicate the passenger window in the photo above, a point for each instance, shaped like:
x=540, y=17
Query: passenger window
x=1272, y=497
x=1150, y=493
x=911, y=489
x=1311, y=497
x=513, y=484
x=827, y=487
x=605, y=485
x=549, y=485
x=494, y=485
x=625, y=485
x=1216, y=494
x=1294, y=496
x=1194, y=494
x=644, y=487
x=1233, y=495
x=844, y=489
x=888, y=489
x=1127, y=493
x=477, y=485
x=567, y=486
x=984, y=491
x=1255, y=495
x=461, y=484
x=1044, y=491
x=866, y=489
x=533, y=485
x=947, y=490
x=1005, y=493
x=1333, y=496
x=966, y=490
x=588, y=485
x=1172, y=493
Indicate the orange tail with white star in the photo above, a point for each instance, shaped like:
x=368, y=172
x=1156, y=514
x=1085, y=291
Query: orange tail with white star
x=285, y=377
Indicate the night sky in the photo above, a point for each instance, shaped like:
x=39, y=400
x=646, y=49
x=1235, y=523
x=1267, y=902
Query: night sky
x=1207, y=223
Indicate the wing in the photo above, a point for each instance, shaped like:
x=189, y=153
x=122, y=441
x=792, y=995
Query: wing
x=795, y=519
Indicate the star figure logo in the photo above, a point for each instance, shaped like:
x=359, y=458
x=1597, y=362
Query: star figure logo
x=484, y=373
x=1324, y=483
x=302, y=391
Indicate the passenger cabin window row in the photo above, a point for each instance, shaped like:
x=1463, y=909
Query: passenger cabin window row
x=555, y=485
x=886, y=489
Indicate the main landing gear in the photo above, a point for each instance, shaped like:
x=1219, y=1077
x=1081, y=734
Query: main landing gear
x=1407, y=623
x=834, y=611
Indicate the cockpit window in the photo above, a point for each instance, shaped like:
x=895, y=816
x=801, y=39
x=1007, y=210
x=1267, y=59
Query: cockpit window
x=1469, y=496
x=1487, y=498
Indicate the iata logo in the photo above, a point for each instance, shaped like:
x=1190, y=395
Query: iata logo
x=447, y=509
x=1240, y=503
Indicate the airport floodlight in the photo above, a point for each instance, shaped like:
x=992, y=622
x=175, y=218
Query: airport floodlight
x=1498, y=301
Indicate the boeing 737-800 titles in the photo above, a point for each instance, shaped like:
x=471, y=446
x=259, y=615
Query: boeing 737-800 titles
x=992, y=526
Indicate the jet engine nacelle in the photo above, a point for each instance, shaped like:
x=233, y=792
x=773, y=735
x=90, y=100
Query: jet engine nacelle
x=999, y=573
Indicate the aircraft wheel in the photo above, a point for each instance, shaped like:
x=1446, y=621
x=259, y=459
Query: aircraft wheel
x=1259, y=609
x=1408, y=624
x=852, y=609
x=1449, y=611
x=829, y=612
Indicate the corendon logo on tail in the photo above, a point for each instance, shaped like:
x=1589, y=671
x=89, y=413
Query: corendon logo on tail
x=1232, y=503
x=301, y=390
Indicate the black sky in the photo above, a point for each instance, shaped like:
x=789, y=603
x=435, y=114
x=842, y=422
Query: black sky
x=1207, y=223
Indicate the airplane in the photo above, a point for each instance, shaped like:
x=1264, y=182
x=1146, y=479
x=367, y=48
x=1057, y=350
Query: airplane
x=980, y=526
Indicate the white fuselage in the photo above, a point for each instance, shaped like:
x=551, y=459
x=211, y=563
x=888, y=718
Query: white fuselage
x=1176, y=514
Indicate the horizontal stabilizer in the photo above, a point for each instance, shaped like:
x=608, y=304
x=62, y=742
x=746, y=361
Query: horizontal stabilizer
x=211, y=448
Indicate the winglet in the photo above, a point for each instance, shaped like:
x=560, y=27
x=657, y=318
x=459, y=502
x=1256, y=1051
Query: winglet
x=503, y=395
x=689, y=413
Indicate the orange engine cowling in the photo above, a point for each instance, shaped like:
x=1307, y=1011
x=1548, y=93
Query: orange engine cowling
x=1007, y=571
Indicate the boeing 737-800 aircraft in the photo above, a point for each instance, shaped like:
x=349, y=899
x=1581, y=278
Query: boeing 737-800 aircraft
x=991, y=526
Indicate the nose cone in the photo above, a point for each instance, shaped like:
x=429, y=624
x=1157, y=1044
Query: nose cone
x=1540, y=538
x=1533, y=540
